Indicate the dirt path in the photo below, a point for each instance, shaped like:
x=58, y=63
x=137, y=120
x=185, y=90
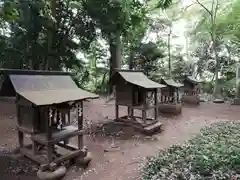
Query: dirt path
x=122, y=161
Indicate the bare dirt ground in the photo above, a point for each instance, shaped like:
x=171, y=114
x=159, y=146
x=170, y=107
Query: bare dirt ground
x=116, y=157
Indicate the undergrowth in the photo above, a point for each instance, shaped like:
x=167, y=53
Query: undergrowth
x=214, y=154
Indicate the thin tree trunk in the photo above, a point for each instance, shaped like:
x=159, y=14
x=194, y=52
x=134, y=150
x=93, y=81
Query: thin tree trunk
x=229, y=53
x=115, y=59
x=216, y=91
x=103, y=80
x=238, y=81
x=130, y=61
x=49, y=59
x=29, y=57
x=169, y=52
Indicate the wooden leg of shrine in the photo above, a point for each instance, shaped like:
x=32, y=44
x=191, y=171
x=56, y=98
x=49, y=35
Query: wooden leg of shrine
x=34, y=147
x=50, y=152
x=177, y=96
x=49, y=136
x=116, y=111
x=65, y=123
x=144, y=115
x=144, y=111
x=20, y=139
x=130, y=111
x=156, y=105
x=80, y=124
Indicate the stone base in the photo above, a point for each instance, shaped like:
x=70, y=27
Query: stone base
x=236, y=101
x=218, y=101
x=174, y=109
x=190, y=99
x=59, y=173
x=84, y=161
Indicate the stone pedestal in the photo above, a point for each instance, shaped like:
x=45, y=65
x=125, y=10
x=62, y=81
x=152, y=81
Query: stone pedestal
x=236, y=101
x=174, y=109
x=191, y=99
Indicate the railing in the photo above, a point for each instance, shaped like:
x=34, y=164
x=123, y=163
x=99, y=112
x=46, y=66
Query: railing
x=169, y=99
x=163, y=99
x=191, y=92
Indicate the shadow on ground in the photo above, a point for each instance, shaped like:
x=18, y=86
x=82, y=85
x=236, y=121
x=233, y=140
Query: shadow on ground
x=15, y=167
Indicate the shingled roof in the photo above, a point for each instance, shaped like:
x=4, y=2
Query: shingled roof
x=171, y=82
x=42, y=87
x=193, y=79
x=139, y=79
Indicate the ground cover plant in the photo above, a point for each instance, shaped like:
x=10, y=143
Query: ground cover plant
x=212, y=154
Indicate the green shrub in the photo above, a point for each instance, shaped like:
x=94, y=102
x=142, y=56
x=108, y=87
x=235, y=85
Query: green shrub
x=213, y=154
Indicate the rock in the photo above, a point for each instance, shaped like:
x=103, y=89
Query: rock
x=49, y=175
x=19, y=171
x=202, y=100
x=236, y=101
x=84, y=161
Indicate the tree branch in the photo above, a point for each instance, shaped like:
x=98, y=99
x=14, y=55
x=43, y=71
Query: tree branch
x=215, y=10
x=204, y=7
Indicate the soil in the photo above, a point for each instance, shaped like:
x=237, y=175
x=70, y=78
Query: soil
x=118, y=152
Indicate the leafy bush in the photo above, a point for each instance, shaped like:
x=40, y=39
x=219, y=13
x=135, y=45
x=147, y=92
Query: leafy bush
x=213, y=154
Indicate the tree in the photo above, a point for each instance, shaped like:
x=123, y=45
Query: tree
x=42, y=35
x=117, y=18
x=208, y=27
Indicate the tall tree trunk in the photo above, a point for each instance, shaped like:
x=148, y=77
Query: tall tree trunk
x=238, y=81
x=115, y=58
x=229, y=53
x=49, y=59
x=169, y=52
x=130, y=60
x=216, y=90
x=29, y=57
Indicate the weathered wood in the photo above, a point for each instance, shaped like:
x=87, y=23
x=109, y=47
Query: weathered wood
x=36, y=158
x=116, y=111
x=20, y=139
x=191, y=99
x=146, y=128
x=66, y=157
x=156, y=105
x=58, y=135
x=67, y=146
x=144, y=111
x=33, y=119
x=173, y=109
x=80, y=125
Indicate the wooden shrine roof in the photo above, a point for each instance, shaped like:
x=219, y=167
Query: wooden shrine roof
x=171, y=82
x=42, y=87
x=193, y=79
x=139, y=79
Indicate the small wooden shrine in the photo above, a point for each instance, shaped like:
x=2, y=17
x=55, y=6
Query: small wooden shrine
x=169, y=97
x=192, y=90
x=43, y=101
x=132, y=89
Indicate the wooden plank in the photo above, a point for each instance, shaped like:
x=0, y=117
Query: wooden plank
x=66, y=157
x=25, y=129
x=153, y=127
x=156, y=105
x=69, y=156
x=67, y=146
x=20, y=139
x=150, y=128
x=80, y=125
x=36, y=158
x=58, y=135
x=142, y=107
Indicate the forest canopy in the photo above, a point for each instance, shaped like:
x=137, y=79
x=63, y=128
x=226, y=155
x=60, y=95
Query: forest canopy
x=92, y=37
